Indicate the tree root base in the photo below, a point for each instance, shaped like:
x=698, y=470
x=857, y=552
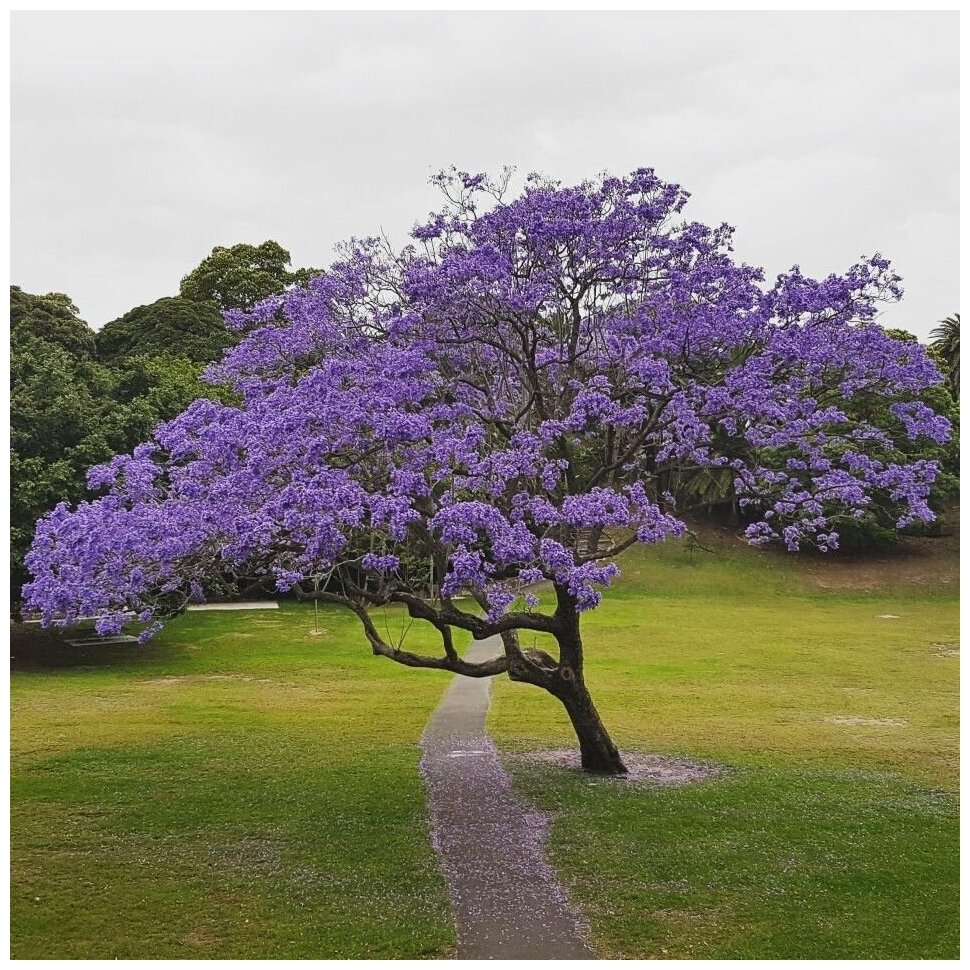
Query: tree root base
x=645, y=769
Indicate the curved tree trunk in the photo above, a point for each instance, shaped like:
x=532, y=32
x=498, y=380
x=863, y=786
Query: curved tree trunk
x=598, y=752
x=563, y=678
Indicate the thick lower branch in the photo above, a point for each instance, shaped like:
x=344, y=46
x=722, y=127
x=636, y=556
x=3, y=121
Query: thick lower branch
x=563, y=678
x=487, y=668
x=451, y=661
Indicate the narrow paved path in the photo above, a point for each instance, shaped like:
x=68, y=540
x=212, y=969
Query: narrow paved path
x=508, y=902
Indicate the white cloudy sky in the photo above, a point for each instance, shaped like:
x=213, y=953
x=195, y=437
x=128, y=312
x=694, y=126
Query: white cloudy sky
x=140, y=141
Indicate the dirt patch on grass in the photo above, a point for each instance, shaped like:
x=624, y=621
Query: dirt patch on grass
x=912, y=561
x=848, y=720
x=188, y=680
x=646, y=769
x=258, y=856
x=199, y=939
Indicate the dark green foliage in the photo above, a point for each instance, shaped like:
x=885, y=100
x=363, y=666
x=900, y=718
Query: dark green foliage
x=80, y=397
x=55, y=387
x=169, y=326
x=945, y=346
x=52, y=318
x=238, y=277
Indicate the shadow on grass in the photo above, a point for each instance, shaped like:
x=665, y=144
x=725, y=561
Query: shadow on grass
x=33, y=650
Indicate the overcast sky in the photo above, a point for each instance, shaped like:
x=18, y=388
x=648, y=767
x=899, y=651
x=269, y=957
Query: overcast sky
x=140, y=141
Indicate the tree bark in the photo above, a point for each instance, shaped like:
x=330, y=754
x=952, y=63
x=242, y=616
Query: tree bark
x=598, y=753
x=563, y=678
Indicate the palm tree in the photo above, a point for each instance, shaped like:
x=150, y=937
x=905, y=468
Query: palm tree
x=945, y=340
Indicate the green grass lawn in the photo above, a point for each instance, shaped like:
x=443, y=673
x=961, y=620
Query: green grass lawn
x=242, y=787
x=239, y=788
x=834, y=831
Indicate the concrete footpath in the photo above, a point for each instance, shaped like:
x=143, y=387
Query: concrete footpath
x=508, y=901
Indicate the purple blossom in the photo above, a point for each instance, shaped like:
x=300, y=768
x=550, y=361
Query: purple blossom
x=523, y=376
x=380, y=564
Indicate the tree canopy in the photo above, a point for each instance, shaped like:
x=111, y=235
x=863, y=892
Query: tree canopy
x=506, y=401
x=51, y=317
x=169, y=326
x=238, y=277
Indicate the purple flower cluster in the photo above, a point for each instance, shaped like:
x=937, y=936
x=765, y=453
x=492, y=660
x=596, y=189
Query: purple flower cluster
x=509, y=384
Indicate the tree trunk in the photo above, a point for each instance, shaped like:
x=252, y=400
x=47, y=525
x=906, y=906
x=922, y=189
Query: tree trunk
x=596, y=747
x=563, y=678
x=598, y=753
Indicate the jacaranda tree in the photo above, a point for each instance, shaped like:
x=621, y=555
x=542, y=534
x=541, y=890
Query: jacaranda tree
x=498, y=405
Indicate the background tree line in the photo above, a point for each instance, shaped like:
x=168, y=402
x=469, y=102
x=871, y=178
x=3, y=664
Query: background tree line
x=80, y=396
